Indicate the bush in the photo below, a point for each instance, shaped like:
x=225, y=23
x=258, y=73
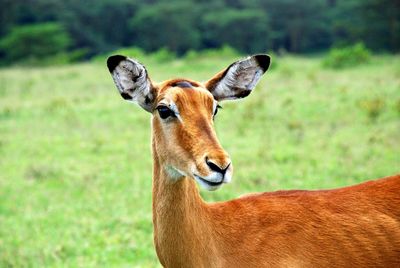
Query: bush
x=60, y=58
x=246, y=30
x=172, y=26
x=339, y=58
x=223, y=52
x=159, y=56
x=132, y=52
x=163, y=55
x=31, y=43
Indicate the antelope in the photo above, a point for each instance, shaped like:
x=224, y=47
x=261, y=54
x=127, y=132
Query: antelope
x=356, y=226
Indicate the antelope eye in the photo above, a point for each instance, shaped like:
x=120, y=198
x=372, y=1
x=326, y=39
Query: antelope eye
x=165, y=112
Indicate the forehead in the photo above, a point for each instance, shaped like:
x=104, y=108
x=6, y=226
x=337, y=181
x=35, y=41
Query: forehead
x=181, y=91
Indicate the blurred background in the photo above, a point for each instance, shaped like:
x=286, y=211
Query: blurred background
x=72, y=30
x=75, y=160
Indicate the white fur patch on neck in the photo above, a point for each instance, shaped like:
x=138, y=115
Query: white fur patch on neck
x=174, y=173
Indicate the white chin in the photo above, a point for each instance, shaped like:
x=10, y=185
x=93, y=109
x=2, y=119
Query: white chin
x=205, y=185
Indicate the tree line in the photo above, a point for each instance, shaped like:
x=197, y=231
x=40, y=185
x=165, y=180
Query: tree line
x=36, y=28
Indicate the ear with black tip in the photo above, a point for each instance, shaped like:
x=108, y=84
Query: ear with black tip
x=239, y=79
x=132, y=81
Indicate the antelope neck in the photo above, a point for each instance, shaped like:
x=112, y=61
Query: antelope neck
x=182, y=230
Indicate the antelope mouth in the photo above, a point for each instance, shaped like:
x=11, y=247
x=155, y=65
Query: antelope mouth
x=209, y=185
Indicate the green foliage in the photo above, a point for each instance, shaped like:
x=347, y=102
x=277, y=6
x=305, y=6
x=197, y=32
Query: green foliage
x=34, y=42
x=75, y=161
x=225, y=51
x=61, y=58
x=244, y=30
x=298, y=26
x=181, y=26
x=133, y=52
x=374, y=22
x=98, y=25
x=167, y=26
x=350, y=56
x=163, y=55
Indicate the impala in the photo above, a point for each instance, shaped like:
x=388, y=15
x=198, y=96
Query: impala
x=357, y=226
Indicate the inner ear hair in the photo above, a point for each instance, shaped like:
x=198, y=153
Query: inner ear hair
x=239, y=79
x=132, y=81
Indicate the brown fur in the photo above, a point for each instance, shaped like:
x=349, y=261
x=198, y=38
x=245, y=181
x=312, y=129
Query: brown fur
x=356, y=226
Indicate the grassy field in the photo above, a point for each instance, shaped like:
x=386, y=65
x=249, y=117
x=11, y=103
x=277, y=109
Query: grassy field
x=75, y=163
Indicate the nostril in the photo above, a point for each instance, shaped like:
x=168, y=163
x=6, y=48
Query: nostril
x=215, y=167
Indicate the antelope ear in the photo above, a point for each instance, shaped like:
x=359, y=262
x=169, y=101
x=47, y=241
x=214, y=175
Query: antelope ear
x=132, y=81
x=239, y=79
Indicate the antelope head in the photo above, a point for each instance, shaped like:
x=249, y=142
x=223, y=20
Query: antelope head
x=183, y=111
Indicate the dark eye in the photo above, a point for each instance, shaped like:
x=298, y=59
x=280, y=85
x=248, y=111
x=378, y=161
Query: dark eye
x=216, y=110
x=165, y=112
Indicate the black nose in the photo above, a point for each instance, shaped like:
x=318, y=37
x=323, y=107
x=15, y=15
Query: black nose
x=215, y=167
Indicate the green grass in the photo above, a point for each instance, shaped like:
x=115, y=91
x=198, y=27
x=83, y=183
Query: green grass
x=75, y=163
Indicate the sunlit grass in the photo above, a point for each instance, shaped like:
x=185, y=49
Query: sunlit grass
x=75, y=163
